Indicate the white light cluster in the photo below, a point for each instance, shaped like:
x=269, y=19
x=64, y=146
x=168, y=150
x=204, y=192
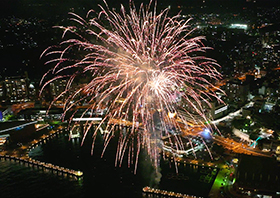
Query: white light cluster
x=221, y=109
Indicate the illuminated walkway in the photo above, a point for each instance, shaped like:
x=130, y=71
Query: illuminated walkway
x=21, y=156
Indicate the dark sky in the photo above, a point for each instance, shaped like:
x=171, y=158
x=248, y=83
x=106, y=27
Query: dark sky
x=49, y=7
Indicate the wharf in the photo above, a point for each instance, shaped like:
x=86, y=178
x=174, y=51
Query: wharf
x=20, y=154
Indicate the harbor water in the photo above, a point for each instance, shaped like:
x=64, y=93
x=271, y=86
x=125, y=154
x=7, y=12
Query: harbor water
x=101, y=178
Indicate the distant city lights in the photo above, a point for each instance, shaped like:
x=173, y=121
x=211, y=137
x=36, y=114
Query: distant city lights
x=239, y=26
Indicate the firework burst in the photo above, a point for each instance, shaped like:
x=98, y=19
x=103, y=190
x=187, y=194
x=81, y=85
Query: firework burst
x=136, y=64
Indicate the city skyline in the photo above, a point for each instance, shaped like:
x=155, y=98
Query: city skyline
x=22, y=44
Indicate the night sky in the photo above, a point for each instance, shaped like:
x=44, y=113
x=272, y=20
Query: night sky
x=11, y=6
x=57, y=6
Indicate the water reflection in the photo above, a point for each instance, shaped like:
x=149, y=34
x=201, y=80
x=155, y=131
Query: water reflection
x=102, y=179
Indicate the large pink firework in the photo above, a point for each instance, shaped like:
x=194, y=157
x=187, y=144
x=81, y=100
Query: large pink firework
x=136, y=63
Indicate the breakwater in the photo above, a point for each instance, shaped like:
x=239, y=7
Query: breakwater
x=46, y=167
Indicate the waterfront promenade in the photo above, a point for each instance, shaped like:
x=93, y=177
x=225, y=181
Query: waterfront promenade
x=19, y=152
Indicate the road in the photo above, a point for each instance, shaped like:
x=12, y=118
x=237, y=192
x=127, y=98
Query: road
x=238, y=147
x=227, y=143
x=230, y=144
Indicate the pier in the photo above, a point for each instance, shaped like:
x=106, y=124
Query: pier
x=46, y=167
x=153, y=192
x=21, y=156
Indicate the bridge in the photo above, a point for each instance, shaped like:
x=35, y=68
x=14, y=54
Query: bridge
x=16, y=130
x=16, y=125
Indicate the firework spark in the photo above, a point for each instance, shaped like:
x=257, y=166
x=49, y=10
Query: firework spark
x=136, y=63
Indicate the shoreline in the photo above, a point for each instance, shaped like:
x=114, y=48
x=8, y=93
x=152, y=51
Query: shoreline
x=21, y=155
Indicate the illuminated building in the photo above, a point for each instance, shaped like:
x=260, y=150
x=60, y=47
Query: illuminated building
x=16, y=89
x=57, y=87
x=40, y=114
x=262, y=180
x=237, y=91
x=218, y=111
x=1, y=91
